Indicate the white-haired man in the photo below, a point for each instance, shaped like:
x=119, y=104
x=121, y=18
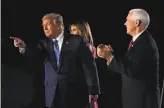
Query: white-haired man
x=139, y=68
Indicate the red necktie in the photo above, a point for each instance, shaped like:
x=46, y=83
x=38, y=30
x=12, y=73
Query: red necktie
x=130, y=44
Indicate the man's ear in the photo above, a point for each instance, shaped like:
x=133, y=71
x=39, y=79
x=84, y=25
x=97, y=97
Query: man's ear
x=138, y=23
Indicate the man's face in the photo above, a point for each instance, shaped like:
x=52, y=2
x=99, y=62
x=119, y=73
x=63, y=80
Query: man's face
x=50, y=27
x=74, y=30
x=130, y=24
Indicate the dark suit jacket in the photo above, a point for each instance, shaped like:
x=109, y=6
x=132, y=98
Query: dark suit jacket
x=139, y=68
x=77, y=70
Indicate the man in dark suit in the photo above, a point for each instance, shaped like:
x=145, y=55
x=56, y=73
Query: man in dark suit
x=70, y=70
x=139, y=68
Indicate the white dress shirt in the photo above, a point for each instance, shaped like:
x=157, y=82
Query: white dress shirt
x=60, y=40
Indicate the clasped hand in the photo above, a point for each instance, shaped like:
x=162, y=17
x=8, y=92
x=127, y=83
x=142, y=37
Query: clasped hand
x=104, y=51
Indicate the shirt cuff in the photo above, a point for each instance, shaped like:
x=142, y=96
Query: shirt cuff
x=22, y=49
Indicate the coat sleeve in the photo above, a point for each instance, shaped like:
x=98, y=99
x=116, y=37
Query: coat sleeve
x=90, y=68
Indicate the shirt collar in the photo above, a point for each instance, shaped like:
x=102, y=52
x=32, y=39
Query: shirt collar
x=135, y=37
x=60, y=37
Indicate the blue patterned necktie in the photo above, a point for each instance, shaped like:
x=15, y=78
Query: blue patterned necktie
x=56, y=49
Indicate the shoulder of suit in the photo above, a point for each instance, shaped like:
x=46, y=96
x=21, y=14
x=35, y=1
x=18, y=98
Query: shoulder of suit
x=148, y=37
x=75, y=37
x=148, y=40
x=145, y=36
x=42, y=40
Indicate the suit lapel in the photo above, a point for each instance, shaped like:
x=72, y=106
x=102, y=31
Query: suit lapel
x=51, y=52
x=64, y=45
x=136, y=41
x=129, y=50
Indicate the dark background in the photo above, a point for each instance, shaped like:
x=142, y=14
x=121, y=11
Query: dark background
x=22, y=81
